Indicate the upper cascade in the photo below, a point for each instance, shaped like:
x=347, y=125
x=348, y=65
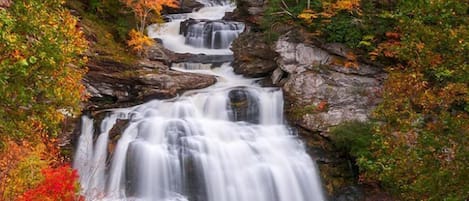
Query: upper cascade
x=199, y=32
x=212, y=34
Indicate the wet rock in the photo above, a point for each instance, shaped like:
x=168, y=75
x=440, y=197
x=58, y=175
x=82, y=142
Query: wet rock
x=244, y=106
x=253, y=56
x=115, y=134
x=170, y=83
x=111, y=84
x=250, y=11
x=185, y=6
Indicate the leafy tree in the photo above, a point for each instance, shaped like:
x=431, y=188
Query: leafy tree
x=40, y=67
x=420, y=148
x=143, y=10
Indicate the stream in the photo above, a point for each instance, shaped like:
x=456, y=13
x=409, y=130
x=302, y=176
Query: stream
x=227, y=142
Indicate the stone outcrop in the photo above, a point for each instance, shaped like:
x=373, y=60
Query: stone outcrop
x=185, y=6
x=249, y=11
x=253, y=56
x=320, y=91
x=112, y=84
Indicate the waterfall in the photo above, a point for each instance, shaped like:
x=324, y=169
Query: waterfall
x=228, y=142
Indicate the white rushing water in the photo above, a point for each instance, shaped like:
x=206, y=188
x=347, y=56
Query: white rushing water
x=228, y=142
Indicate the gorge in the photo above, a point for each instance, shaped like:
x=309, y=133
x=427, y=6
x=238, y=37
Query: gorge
x=226, y=142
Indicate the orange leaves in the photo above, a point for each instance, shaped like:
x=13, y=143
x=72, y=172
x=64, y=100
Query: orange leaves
x=393, y=35
x=143, y=8
x=308, y=15
x=322, y=106
x=351, y=60
x=58, y=184
x=348, y=5
x=140, y=7
x=330, y=9
x=139, y=42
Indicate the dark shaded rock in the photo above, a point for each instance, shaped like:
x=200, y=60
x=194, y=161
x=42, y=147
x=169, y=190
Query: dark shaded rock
x=185, y=6
x=253, y=56
x=244, y=106
x=349, y=193
x=115, y=134
x=250, y=11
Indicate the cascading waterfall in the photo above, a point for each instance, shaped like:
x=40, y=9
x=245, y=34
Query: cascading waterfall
x=228, y=142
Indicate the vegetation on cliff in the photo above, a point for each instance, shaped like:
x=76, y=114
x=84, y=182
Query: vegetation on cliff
x=417, y=143
x=41, y=66
x=43, y=51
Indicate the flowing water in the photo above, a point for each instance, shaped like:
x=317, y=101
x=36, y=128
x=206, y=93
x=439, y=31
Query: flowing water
x=228, y=142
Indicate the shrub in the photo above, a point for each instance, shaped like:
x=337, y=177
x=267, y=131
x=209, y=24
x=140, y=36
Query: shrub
x=58, y=184
x=353, y=137
x=139, y=42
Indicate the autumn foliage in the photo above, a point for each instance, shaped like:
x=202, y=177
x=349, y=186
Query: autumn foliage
x=144, y=10
x=58, y=184
x=139, y=42
x=416, y=145
x=41, y=67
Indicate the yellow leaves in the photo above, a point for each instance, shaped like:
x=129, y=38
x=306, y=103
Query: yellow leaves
x=351, y=60
x=308, y=15
x=329, y=10
x=139, y=42
x=142, y=7
x=348, y=5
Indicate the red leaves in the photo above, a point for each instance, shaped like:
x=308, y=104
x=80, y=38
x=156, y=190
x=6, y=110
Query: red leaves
x=393, y=35
x=322, y=106
x=59, y=184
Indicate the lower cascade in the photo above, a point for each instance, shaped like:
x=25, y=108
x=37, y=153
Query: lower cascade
x=228, y=142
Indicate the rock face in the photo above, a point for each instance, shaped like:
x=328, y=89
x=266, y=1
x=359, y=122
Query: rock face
x=320, y=92
x=112, y=84
x=253, y=56
x=250, y=11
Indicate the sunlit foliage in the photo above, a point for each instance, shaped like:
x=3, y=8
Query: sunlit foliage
x=58, y=184
x=40, y=67
x=145, y=9
x=139, y=42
